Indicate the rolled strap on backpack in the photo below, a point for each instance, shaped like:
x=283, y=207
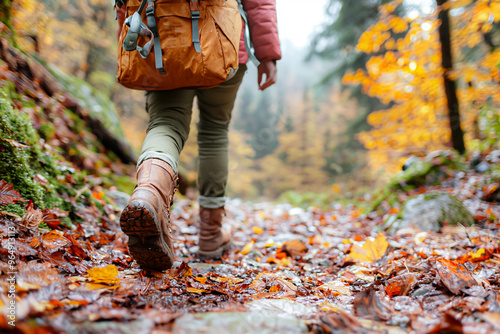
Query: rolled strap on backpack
x=194, y=6
x=137, y=27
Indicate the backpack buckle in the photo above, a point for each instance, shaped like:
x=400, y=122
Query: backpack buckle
x=195, y=15
x=137, y=28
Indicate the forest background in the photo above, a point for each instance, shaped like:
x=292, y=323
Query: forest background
x=349, y=107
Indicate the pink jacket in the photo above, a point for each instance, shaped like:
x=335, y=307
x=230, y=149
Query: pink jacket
x=263, y=29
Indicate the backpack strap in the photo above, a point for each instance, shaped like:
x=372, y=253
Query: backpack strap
x=194, y=6
x=137, y=27
x=248, y=40
x=150, y=15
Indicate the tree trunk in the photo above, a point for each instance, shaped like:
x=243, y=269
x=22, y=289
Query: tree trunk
x=457, y=135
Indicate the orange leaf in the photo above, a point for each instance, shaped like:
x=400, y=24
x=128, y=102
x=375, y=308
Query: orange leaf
x=454, y=276
x=400, y=285
x=393, y=210
x=281, y=255
x=97, y=196
x=422, y=255
x=53, y=240
x=194, y=290
x=294, y=248
x=358, y=238
x=393, y=289
x=275, y=288
x=184, y=270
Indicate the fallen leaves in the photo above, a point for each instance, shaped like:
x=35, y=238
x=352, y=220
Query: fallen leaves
x=103, y=278
x=257, y=230
x=194, y=290
x=371, y=250
x=248, y=248
x=8, y=195
x=400, y=285
x=293, y=248
x=335, y=288
x=455, y=276
x=52, y=241
x=367, y=303
x=33, y=217
x=52, y=217
x=274, y=284
x=325, y=265
x=184, y=270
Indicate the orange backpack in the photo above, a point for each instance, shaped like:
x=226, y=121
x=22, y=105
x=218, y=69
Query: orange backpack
x=169, y=44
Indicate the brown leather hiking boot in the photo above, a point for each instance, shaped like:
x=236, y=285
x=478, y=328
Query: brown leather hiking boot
x=213, y=241
x=146, y=218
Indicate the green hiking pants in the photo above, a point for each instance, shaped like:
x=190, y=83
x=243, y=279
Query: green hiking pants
x=169, y=120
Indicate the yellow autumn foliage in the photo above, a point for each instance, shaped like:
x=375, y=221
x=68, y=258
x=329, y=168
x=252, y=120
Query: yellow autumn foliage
x=371, y=250
x=409, y=76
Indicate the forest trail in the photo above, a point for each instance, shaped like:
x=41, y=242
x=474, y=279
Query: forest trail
x=290, y=271
x=349, y=266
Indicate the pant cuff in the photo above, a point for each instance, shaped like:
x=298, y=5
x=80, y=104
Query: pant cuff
x=162, y=156
x=211, y=202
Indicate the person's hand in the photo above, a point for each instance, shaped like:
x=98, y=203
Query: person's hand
x=269, y=69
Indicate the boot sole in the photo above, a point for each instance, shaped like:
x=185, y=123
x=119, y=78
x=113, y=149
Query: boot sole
x=215, y=254
x=146, y=245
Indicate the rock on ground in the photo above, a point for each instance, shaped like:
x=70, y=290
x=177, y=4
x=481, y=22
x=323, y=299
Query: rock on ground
x=431, y=212
x=239, y=322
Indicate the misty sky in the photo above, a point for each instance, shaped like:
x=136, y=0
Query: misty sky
x=298, y=19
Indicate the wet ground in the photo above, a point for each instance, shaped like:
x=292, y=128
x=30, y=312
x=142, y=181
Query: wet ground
x=290, y=271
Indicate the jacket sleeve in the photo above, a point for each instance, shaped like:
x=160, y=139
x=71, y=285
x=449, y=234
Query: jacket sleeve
x=263, y=26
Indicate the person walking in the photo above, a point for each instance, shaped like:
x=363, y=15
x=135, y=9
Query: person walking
x=146, y=218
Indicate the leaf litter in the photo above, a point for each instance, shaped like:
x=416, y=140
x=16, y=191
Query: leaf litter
x=328, y=268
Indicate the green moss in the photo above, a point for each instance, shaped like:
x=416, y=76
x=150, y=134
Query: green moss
x=98, y=204
x=5, y=6
x=78, y=125
x=47, y=130
x=17, y=209
x=22, y=159
x=124, y=183
x=102, y=81
x=5, y=18
x=428, y=171
x=44, y=226
x=306, y=199
x=439, y=207
x=489, y=128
